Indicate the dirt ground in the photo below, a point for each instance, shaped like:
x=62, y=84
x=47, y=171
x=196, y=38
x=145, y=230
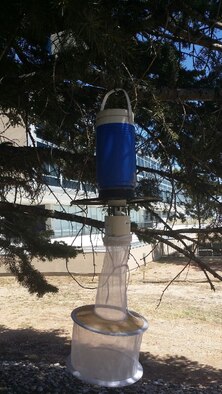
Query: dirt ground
x=182, y=344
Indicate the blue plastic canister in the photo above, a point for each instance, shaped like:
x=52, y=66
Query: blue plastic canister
x=115, y=151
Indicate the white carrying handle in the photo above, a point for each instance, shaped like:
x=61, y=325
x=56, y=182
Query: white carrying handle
x=127, y=99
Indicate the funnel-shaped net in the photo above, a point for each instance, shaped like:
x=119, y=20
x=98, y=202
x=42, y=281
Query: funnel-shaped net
x=111, y=298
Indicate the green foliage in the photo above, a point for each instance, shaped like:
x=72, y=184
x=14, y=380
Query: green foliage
x=148, y=187
x=58, y=59
x=27, y=275
x=25, y=237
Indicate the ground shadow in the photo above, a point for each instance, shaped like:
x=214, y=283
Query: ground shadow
x=179, y=370
x=33, y=345
x=48, y=348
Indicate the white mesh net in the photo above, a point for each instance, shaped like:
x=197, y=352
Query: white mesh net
x=106, y=336
x=111, y=299
x=108, y=358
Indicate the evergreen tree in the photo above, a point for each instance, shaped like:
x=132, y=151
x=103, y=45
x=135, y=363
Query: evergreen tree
x=57, y=60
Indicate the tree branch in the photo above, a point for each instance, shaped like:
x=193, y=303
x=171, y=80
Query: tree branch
x=211, y=23
x=171, y=232
x=190, y=255
x=157, y=234
x=180, y=95
x=6, y=207
x=170, y=283
x=194, y=38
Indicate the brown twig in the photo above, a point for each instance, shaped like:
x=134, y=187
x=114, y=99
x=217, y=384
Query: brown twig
x=170, y=283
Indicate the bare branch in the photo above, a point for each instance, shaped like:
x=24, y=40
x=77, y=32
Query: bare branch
x=170, y=283
x=203, y=266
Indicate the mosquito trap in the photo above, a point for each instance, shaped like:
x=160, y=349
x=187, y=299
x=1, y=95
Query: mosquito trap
x=107, y=336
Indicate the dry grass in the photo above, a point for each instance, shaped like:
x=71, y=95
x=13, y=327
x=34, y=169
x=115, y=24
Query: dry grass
x=184, y=331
